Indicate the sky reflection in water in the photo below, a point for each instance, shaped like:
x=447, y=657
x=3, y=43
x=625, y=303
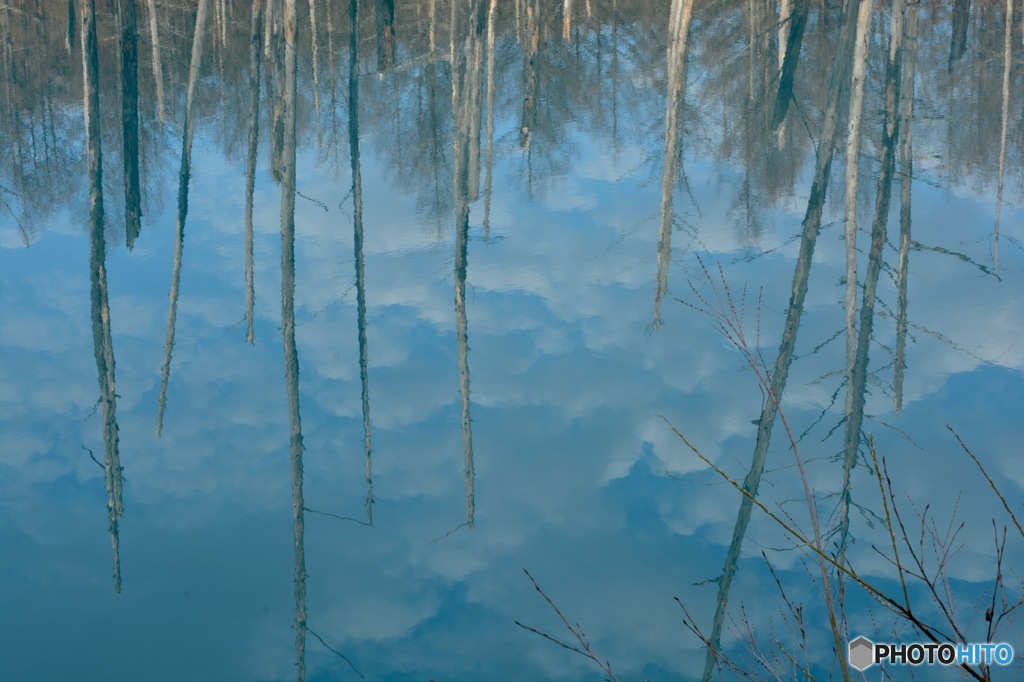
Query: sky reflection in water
x=566, y=255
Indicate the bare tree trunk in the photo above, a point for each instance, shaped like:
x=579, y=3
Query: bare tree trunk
x=183, y=180
x=270, y=19
x=316, y=65
x=858, y=378
x=958, y=40
x=615, y=76
x=531, y=79
x=333, y=82
x=69, y=34
x=385, y=18
x=357, y=230
x=220, y=43
x=785, y=14
x=466, y=102
x=811, y=226
x=1007, y=63
x=158, y=69
x=250, y=166
x=101, y=332
x=794, y=40
x=433, y=25
x=277, y=132
x=130, y=120
x=852, y=167
x=567, y=20
x=679, y=31
x=291, y=356
x=906, y=182
x=490, y=119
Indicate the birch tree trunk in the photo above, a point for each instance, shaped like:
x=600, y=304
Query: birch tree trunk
x=101, y=332
x=858, y=377
x=256, y=29
x=838, y=83
x=183, y=180
x=1007, y=63
x=850, y=204
x=906, y=183
x=466, y=105
x=158, y=69
x=357, y=231
x=130, y=120
x=291, y=355
x=679, y=30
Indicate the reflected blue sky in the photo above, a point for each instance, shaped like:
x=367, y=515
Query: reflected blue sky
x=578, y=476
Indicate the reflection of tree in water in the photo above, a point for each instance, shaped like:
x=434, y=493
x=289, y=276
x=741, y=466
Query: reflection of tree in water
x=357, y=231
x=467, y=103
x=764, y=113
x=101, y=329
x=544, y=84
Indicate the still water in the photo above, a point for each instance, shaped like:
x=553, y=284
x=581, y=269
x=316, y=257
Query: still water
x=322, y=322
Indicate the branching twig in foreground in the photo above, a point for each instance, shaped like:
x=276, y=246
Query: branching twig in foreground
x=903, y=610
x=577, y=632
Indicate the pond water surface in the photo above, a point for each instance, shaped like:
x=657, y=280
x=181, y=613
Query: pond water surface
x=324, y=322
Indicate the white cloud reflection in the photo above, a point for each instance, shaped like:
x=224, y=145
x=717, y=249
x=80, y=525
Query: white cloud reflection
x=578, y=478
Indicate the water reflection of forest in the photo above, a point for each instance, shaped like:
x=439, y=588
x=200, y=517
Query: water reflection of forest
x=600, y=68
x=765, y=89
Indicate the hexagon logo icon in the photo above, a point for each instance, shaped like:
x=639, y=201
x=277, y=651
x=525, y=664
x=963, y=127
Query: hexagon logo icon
x=861, y=653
